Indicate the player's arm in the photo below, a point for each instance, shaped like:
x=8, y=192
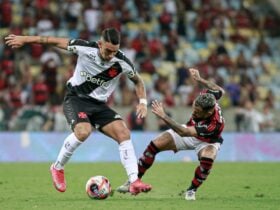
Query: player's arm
x=208, y=84
x=140, y=90
x=158, y=110
x=15, y=41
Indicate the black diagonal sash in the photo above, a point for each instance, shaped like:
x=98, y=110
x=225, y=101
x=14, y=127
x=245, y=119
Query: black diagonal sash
x=105, y=76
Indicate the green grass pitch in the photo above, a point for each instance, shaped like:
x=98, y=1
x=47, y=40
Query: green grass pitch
x=230, y=186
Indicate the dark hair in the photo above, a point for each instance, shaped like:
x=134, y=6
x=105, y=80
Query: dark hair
x=206, y=101
x=111, y=35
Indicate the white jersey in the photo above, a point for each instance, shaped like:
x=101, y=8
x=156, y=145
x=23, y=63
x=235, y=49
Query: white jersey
x=94, y=77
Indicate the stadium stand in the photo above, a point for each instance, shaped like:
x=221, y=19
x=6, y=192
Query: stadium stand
x=234, y=42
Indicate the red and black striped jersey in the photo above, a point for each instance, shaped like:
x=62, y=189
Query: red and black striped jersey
x=210, y=129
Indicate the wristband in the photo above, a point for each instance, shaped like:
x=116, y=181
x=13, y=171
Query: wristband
x=143, y=101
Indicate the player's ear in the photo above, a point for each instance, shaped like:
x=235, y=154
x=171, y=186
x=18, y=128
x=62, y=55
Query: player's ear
x=210, y=111
x=99, y=42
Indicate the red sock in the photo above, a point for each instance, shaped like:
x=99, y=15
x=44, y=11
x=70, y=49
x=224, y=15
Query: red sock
x=201, y=172
x=147, y=159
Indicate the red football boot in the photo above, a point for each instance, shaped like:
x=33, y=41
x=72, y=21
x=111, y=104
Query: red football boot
x=138, y=186
x=58, y=179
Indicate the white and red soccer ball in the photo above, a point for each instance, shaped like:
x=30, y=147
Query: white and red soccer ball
x=98, y=187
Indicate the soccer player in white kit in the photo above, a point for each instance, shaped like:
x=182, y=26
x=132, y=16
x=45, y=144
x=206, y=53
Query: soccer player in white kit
x=99, y=67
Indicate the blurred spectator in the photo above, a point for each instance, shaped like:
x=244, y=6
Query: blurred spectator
x=165, y=21
x=263, y=48
x=241, y=62
x=127, y=48
x=56, y=120
x=185, y=91
x=163, y=92
x=233, y=89
x=138, y=44
x=15, y=96
x=40, y=93
x=243, y=19
x=267, y=124
x=126, y=91
x=3, y=81
x=250, y=120
x=182, y=74
x=143, y=10
x=7, y=64
x=51, y=61
x=44, y=24
x=234, y=42
x=92, y=18
x=269, y=100
x=5, y=114
x=73, y=10
x=202, y=25
x=147, y=66
x=5, y=13
x=110, y=20
x=161, y=124
x=171, y=46
x=155, y=48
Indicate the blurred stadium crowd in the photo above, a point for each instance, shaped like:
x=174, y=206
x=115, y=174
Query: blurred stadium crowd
x=234, y=42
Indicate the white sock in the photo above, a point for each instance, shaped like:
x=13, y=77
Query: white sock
x=70, y=144
x=128, y=159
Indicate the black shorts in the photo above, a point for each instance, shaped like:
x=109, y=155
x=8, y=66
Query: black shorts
x=78, y=109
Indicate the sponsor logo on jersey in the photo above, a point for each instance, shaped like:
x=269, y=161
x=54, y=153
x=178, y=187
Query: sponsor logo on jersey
x=94, y=80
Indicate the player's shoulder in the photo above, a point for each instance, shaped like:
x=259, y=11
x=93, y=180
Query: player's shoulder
x=83, y=43
x=121, y=56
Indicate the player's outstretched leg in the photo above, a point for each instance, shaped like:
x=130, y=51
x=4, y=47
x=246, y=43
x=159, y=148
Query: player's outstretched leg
x=201, y=173
x=144, y=163
x=71, y=143
x=58, y=179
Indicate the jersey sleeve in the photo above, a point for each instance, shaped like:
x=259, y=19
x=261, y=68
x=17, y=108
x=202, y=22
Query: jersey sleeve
x=78, y=45
x=217, y=93
x=128, y=66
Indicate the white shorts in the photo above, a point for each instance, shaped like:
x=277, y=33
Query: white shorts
x=190, y=143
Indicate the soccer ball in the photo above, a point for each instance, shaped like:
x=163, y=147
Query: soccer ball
x=98, y=187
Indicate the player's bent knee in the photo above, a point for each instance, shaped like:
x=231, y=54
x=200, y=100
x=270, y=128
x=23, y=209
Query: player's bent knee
x=123, y=134
x=209, y=152
x=82, y=132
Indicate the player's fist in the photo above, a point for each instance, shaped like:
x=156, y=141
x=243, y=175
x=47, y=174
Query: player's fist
x=194, y=73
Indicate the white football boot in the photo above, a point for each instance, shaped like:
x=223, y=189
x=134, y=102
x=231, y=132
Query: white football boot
x=124, y=188
x=190, y=195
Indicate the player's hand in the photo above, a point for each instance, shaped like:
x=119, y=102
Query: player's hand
x=157, y=109
x=195, y=74
x=141, y=110
x=14, y=41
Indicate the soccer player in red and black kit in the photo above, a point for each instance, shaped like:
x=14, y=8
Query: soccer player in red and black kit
x=201, y=133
